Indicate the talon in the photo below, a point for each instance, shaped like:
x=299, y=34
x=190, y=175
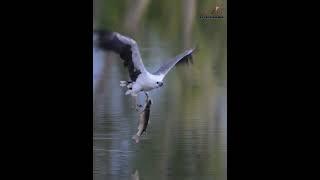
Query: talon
x=123, y=83
x=128, y=92
x=138, y=106
x=147, y=95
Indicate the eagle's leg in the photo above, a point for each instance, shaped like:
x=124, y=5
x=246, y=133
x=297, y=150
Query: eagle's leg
x=140, y=107
x=148, y=97
x=133, y=90
x=146, y=101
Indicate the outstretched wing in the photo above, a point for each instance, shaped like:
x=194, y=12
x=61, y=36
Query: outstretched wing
x=181, y=58
x=126, y=47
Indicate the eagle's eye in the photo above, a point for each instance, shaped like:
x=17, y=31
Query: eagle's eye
x=160, y=84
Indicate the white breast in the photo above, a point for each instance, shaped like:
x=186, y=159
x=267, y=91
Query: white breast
x=147, y=81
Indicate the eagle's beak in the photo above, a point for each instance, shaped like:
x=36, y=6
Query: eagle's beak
x=160, y=84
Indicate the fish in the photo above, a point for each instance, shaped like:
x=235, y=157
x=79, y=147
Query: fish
x=143, y=120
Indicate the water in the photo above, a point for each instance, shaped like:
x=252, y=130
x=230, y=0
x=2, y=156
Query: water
x=187, y=134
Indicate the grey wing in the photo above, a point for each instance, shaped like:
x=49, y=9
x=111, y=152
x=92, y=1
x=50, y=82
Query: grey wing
x=183, y=57
x=136, y=57
x=126, y=47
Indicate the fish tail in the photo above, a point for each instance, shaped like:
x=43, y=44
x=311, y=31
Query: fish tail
x=136, y=138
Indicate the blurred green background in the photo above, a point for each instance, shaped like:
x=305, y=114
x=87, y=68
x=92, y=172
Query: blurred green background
x=187, y=135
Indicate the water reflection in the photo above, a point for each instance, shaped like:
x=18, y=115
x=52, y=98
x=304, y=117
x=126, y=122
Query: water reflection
x=186, y=137
x=135, y=176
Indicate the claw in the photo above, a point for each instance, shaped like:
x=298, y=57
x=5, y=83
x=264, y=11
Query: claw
x=147, y=95
x=123, y=83
x=151, y=101
x=128, y=92
x=139, y=106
